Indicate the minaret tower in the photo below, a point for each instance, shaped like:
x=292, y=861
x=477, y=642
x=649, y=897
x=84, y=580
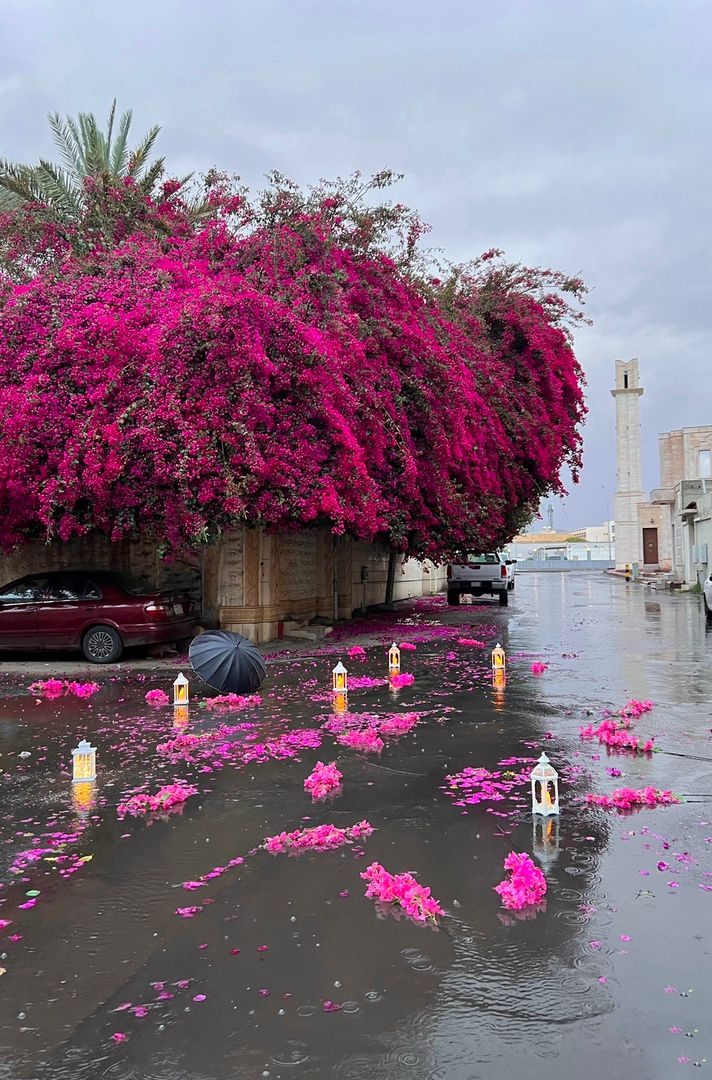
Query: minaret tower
x=629, y=477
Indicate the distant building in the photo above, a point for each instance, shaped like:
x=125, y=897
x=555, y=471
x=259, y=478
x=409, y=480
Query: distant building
x=597, y=534
x=672, y=530
x=591, y=547
x=686, y=493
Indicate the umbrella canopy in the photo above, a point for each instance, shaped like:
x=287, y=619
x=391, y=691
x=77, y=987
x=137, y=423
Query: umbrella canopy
x=227, y=662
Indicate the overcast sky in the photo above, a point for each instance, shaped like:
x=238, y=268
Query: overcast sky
x=572, y=134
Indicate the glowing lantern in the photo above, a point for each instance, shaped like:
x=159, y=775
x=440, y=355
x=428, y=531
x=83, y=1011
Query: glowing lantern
x=340, y=702
x=181, y=716
x=545, y=787
x=180, y=690
x=545, y=840
x=499, y=659
x=83, y=797
x=339, y=679
x=83, y=762
x=394, y=660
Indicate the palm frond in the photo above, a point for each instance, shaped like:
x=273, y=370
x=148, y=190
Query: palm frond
x=120, y=150
x=200, y=209
x=139, y=157
x=79, y=143
x=21, y=182
x=9, y=201
x=93, y=143
x=60, y=191
x=148, y=181
x=67, y=141
x=110, y=127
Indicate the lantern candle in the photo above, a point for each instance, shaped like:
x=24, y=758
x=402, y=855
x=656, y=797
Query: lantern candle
x=499, y=658
x=180, y=690
x=545, y=787
x=83, y=763
x=339, y=679
x=394, y=660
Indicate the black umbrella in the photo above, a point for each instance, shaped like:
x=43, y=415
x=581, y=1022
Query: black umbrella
x=227, y=661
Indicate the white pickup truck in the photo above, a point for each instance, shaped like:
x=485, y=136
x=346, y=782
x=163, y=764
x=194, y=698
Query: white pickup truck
x=489, y=574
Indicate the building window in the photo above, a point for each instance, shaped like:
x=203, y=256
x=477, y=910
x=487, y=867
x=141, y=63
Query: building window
x=625, y=380
x=704, y=458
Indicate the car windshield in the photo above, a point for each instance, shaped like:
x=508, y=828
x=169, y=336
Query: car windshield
x=491, y=557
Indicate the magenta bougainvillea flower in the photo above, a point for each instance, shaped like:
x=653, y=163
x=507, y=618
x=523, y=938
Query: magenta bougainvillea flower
x=54, y=688
x=157, y=697
x=633, y=799
x=401, y=891
x=285, y=372
x=323, y=780
x=167, y=797
x=319, y=838
x=525, y=885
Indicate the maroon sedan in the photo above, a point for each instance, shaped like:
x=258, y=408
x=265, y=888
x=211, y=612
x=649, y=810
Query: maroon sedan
x=98, y=612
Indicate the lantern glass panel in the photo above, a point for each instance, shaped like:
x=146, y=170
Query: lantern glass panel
x=180, y=690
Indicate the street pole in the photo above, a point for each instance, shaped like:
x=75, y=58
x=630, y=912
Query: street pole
x=608, y=522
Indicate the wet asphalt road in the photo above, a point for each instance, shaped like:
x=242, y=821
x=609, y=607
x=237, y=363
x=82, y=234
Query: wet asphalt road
x=614, y=976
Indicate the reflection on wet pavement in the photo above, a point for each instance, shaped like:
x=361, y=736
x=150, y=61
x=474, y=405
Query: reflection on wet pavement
x=611, y=972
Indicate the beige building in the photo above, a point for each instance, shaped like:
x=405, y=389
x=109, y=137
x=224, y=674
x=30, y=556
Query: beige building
x=685, y=492
x=255, y=583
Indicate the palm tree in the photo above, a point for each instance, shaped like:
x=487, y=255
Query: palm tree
x=87, y=153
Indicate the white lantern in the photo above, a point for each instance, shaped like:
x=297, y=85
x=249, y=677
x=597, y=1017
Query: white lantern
x=339, y=679
x=180, y=690
x=394, y=660
x=83, y=763
x=545, y=787
x=499, y=659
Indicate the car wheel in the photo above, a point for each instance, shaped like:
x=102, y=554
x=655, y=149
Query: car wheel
x=708, y=611
x=503, y=598
x=453, y=596
x=102, y=645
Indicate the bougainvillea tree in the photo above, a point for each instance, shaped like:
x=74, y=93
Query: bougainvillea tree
x=285, y=363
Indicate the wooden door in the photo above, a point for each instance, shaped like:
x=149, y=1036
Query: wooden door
x=650, y=547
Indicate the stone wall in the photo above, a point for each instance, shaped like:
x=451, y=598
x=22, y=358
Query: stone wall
x=310, y=574
x=251, y=582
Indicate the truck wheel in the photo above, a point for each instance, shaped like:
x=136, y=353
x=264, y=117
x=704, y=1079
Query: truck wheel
x=503, y=598
x=453, y=596
x=102, y=645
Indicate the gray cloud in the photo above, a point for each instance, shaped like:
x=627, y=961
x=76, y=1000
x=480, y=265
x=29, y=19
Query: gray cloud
x=573, y=135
